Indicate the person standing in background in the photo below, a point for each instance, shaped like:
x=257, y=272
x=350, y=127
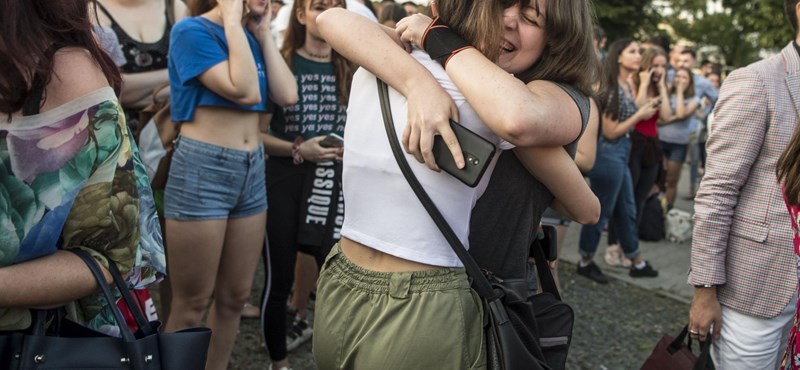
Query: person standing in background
x=610, y=177
x=142, y=28
x=646, y=157
x=705, y=93
x=742, y=267
x=304, y=187
x=223, y=68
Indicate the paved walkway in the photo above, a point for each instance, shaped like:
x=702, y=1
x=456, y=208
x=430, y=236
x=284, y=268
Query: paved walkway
x=670, y=259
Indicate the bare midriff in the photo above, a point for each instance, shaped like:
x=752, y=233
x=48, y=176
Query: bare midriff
x=229, y=128
x=375, y=260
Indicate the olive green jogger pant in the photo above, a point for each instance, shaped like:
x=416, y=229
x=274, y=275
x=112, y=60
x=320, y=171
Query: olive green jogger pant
x=368, y=320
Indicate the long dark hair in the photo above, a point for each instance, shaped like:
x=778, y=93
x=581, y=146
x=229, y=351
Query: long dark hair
x=568, y=56
x=30, y=33
x=788, y=170
x=296, y=38
x=609, y=82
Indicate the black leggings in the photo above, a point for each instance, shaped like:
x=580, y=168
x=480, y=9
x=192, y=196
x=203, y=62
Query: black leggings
x=284, y=193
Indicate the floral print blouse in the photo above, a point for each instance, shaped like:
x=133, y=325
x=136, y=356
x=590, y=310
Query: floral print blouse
x=791, y=360
x=71, y=178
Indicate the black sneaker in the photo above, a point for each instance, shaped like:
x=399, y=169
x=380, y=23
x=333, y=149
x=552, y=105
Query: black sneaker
x=593, y=272
x=646, y=271
x=298, y=333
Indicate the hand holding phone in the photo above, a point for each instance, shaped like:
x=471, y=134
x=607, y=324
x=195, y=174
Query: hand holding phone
x=478, y=152
x=332, y=141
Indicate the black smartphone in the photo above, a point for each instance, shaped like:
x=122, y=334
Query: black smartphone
x=478, y=152
x=332, y=141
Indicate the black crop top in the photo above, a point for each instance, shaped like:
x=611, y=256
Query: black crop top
x=141, y=56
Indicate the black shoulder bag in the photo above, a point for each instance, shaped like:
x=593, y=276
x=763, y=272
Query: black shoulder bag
x=511, y=332
x=68, y=345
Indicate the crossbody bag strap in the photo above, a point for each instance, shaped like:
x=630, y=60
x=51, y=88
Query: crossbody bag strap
x=543, y=270
x=479, y=281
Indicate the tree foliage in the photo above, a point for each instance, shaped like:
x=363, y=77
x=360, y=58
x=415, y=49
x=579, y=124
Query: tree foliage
x=740, y=31
x=626, y=18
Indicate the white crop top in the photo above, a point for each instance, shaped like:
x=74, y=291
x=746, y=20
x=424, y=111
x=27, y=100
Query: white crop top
x=381, y=210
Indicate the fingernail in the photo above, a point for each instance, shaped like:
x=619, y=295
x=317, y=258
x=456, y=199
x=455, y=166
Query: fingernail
x=460, y=164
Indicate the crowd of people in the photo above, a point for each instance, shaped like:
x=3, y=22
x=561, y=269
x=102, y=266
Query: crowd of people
x=277, y=107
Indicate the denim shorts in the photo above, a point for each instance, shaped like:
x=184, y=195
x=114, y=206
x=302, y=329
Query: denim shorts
x=211, y=182
x=674, y=152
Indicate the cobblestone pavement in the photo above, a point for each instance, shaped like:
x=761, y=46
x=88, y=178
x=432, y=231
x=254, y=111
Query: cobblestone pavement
x=616, y=326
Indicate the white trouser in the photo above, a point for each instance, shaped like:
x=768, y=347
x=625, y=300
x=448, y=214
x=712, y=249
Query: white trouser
x=752, y=343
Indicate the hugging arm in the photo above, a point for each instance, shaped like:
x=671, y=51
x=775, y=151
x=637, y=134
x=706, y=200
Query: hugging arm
x=530, y=114
x=367, y=44
x=556, y=170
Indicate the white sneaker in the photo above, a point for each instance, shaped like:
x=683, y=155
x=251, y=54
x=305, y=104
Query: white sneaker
x=283, y=368
x=297, y=334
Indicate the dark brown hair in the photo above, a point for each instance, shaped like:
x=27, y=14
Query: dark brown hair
x=31, y=31
x=788, y=170
x=197, y=7
x=568, y=56
x=296, y=38
x=609, y=82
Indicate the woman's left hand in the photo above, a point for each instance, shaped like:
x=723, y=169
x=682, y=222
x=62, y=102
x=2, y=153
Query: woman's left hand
x=430, y=109
x=259, y=24
x=411, y=29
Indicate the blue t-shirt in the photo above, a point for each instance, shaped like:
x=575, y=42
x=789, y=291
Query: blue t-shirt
x=196, y=45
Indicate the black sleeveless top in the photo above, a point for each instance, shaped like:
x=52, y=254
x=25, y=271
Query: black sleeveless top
x=141, y=56
x=505, y=218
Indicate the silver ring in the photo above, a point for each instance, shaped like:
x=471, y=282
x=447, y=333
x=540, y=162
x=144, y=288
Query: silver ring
x=693, y=332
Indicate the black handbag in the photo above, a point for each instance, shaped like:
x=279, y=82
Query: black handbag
x=511, y=334
x=68, y=345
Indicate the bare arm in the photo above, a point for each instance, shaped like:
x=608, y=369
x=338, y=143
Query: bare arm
x=525, y=115
x=137, y=88
x=233, y=78
x=48, y=281
x=613, y=129
x=558, y=172
x=282, y=83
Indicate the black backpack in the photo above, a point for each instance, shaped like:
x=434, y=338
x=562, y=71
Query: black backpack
x=652, y=226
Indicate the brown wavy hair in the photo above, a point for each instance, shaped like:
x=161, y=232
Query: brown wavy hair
x=788, y=170
x=296, y=38
x=30, y=33
x=568, y=56
x=648, y=56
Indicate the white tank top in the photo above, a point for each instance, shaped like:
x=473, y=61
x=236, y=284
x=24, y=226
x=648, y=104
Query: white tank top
x=382, y=212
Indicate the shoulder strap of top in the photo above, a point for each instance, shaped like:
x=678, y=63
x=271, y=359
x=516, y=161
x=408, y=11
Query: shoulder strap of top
x=581, y=100
x=169, y=10
x=107, y=13
x=33, y=103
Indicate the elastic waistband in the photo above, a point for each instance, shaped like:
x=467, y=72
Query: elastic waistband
x=201, y=147
x=392, y=282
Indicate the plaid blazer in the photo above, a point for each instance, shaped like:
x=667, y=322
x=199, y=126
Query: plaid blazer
x=743, y=235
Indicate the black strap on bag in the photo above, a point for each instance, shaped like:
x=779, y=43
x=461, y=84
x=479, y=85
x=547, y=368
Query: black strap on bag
x=504, y=348
x=56, y=343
